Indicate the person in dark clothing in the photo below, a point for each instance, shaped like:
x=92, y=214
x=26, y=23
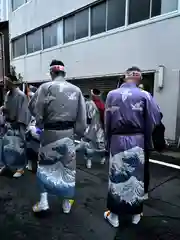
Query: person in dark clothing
x=158, y=137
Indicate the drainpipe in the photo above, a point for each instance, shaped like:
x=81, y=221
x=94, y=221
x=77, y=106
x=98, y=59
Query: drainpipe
x=3, y=60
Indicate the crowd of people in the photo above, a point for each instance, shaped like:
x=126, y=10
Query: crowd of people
x=43, y=124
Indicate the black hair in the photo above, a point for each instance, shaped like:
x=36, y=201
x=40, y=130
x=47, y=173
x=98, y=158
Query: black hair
x=13, y=78
x=96, y=91
x=56, y=62
x=161, y=115
x=133, y=68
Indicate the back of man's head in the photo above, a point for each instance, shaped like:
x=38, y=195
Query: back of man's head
x=133, y=69
x=57, y=68
x=56, y=63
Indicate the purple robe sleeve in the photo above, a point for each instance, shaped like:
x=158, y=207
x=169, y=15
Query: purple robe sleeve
x=108, y=121
x=152, y=118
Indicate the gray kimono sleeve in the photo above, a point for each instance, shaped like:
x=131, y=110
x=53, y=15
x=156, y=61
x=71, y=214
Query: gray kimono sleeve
x=80, y=125
x=39, y=107
x=23, y=114
x=32, y=104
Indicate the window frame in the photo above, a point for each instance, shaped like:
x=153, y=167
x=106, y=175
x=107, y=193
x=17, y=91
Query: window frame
x=64, y=29
x=91, y=19
x=12, y=5
x=151, y=18
x=107, y=16
x=136, y=22
x=43, y=35
x=13, y=47
x=61, y=21
x=32, y=33
x=83, y=10
x=166, y=13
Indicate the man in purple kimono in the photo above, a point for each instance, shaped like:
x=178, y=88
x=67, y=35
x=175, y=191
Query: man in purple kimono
x=130, y=118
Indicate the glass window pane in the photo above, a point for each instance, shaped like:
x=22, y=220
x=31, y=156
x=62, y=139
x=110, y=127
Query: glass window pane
x=17, y=3
x=98, y=18
x=139, y=10
x=18, y=46
x=60, y=32
x=163, y=6
x=156, y=8
x=81, y=24
x=116, y=13
x=50, y=36
x=34, y=41
x=69, y=29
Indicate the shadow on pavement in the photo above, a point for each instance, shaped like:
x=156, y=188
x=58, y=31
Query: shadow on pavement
x=151, y=228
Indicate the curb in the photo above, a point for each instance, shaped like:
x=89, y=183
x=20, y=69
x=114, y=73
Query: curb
x=165, y=158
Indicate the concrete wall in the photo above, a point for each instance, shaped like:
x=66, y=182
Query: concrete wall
x=146, y=46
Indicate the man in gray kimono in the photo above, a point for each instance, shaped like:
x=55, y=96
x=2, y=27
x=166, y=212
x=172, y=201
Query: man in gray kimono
x=92, y=143
x=32, y=135
x=17, y=118
x=60, y=110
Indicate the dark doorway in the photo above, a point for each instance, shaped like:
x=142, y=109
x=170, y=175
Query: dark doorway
x=147, y=82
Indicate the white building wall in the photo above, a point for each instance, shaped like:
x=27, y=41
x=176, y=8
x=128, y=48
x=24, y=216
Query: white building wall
x=146, y=46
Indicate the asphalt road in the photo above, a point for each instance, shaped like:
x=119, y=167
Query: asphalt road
x=161, y=212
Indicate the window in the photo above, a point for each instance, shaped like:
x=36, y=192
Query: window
x=139, y=10
x=52, y=35
x=98, y=18
x=34, y=41
x=116, y=13
x=69, y=29
x=82, y=24
x=17, y=3
x=163, y=6
x=18, y=47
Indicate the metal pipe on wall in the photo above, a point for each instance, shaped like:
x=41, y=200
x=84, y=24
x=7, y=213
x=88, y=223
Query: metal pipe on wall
x=3, y=59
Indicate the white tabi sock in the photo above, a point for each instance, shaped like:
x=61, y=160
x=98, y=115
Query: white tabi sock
x=44, y=198
x=114, y=217
x=29, y=166
x=42, y=205
x=103, y=160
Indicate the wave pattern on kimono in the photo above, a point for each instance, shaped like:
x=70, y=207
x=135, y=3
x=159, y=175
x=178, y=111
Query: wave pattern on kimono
x=14, y=146
x=58, y=103
x=17, y=118
x=129, y=121
x=57, y=170
x=93, y=140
